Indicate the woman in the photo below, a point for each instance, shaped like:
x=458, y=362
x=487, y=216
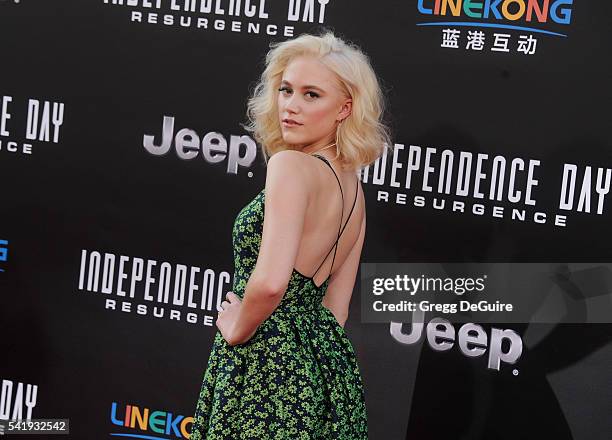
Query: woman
x=281, y=365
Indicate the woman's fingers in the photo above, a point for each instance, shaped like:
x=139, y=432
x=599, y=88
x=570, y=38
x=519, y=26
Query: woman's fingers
x=232, y=297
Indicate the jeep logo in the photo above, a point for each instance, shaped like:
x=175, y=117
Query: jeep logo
x=472, y=339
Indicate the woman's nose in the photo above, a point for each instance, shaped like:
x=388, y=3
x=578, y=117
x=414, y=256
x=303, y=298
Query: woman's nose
x=291, y=104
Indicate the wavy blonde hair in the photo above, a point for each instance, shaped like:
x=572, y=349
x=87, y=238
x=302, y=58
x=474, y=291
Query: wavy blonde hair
x=362, y=136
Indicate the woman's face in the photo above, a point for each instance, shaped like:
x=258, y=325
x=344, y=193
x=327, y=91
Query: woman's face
x=310, y=95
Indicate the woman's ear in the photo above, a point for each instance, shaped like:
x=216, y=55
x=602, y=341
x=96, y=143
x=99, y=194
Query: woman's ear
x=347, y=108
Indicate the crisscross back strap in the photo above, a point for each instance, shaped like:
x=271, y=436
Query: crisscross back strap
x=341, y=228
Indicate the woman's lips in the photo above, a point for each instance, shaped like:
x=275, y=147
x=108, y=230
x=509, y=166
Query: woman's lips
x=290, y=124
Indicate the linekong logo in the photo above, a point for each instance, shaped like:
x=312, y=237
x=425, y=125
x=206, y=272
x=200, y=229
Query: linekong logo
x=494, y=11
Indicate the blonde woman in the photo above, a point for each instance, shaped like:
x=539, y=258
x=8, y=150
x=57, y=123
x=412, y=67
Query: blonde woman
x=281, y=365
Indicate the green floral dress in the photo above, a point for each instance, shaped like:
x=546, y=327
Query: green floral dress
x=297, y=378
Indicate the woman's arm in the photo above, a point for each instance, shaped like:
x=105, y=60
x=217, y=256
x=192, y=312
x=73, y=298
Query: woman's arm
x=287, y=194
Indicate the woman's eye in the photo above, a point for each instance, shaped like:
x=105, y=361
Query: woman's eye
x=285, y=89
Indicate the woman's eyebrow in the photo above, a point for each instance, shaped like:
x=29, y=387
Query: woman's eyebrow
x=305, y=87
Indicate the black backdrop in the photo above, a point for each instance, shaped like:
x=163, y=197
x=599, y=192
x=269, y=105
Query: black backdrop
x=90, y=186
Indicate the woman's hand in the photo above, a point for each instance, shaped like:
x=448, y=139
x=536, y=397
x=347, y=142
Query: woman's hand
x=227, y=320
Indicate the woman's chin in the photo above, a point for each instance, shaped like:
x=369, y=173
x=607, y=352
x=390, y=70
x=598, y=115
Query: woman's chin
x=290, y=142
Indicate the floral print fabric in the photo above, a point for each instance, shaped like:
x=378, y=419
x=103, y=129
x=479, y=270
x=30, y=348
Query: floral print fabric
x=296, y=378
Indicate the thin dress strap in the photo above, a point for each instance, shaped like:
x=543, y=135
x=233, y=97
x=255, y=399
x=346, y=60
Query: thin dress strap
x=340, y=231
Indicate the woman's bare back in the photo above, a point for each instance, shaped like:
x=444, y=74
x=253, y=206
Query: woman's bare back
x=321, y=228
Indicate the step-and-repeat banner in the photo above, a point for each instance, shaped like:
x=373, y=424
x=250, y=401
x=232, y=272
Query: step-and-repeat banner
x=123, y=164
